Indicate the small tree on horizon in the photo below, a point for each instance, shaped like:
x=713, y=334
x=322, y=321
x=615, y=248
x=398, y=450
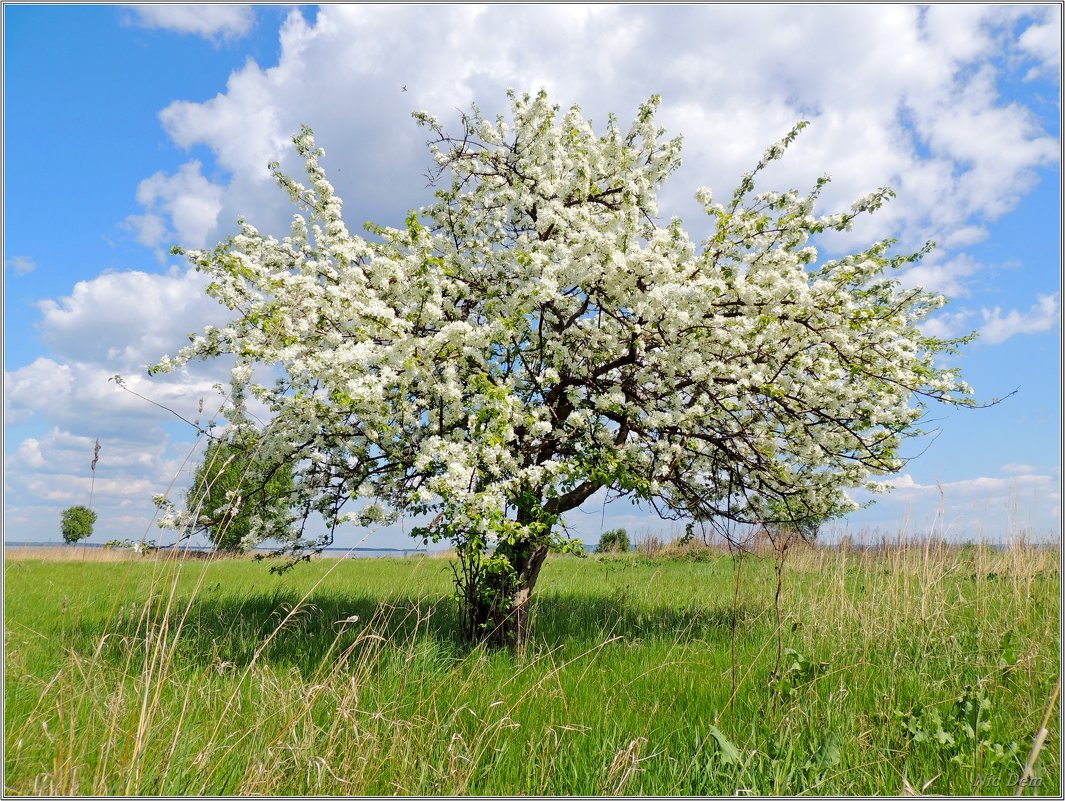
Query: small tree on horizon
x=616, y=540
x=536, y=335
x=76, y=523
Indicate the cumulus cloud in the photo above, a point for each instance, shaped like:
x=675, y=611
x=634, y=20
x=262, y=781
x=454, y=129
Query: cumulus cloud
x=984, y=507
x=214, y=21
x=148, y=229
x=117, y=323
x=188, y=200
x=123, y=321
x=946, y=276
x=947, y=325
x=83, y=397
x=1042, y=42
x=1019, y=469
x=26, y=386
x=52, y=472
x=905, y=484
x=29, y=453
x=20, y=265
x=999, y=327
x=917, y=84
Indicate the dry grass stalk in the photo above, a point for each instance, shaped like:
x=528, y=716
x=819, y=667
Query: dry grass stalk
x=625, y=765
x=1040, y=740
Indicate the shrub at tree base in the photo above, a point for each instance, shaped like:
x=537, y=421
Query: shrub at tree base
x=535, y=335
x=77, y=523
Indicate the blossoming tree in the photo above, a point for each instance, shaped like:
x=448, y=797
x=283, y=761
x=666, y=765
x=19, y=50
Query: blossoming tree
x=536, y=335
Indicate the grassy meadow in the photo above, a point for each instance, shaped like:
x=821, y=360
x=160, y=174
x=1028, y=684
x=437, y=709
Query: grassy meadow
x=912, y=669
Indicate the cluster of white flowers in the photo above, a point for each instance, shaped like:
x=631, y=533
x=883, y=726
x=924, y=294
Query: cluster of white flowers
x=535, y=334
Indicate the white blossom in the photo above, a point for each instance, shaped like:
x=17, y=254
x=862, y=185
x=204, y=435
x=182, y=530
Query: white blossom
x=535, y=334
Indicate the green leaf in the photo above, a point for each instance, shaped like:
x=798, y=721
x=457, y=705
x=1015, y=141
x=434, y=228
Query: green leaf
x=727, y=752
x=944, y=737
x=827, y=755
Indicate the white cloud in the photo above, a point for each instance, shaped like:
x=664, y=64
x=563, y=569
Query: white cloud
x=189, y=200
x=25, y=387
x=1042, y=42
x=83, y=397
x=958, y=32
x=20, y=265
x=148, y=229
x=29, y=453
x=1042, y=316
x=123, y=321
x=964, y=236
x=985, y=507
x=947, y=325
x=982, y=485
x=53, y=471
x=944, y=276
x=902, y=112
x=995, y=147
x=117, y=323
x=225, y=21
x=1019, y=469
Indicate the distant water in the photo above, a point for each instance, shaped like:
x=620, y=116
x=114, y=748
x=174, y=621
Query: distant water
x=334, y=551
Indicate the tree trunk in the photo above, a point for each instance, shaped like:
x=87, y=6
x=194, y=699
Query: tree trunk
x=519, y=617
x=495, y=604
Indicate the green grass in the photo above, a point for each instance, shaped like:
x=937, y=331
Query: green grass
x=160, y=677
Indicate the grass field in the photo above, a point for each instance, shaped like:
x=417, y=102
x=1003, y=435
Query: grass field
x=928, y=668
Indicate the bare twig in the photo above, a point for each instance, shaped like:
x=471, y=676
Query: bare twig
x=121, y=382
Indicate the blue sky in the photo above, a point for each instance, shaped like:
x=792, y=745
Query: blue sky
x=128, y=129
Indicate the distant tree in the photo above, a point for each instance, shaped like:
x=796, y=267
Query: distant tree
x=77, y=523
x=614, y=541
x=235, y=492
